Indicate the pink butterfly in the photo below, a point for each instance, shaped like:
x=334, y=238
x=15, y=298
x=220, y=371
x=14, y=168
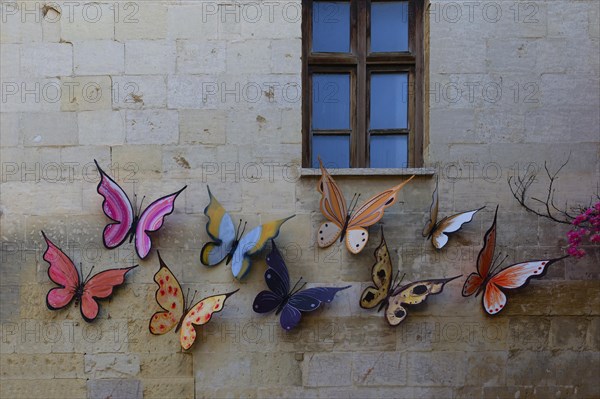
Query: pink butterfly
x=62, y=271
x=128, y=223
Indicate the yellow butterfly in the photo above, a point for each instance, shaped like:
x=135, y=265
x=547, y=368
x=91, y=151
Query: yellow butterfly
x=389, y=294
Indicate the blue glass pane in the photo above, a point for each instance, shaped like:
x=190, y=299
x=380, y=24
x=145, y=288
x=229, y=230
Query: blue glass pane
x=331, y=101
x=331, y=27
x=389, y=151
x=389, y=101
x=333, y=150
x=389, y=26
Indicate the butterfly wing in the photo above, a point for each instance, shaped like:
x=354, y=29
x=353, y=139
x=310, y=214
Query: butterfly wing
x=433, y=212
x=412, y=294
x=305, y=301
x=200, y=314
x=381, y=273
x=266, y=301
x=450, y=225
x=277, y=276
x=169, y=297
x=333, y=207
x=369, y=214
x=117, y=207
x=484, y=261
x=221, y=229
x=98, y=287
x=62, y=271
x=514, y=276
x=151, y=220
x=252, y=243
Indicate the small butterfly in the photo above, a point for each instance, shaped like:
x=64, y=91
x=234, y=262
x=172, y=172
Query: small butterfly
x=62, y=271
x=436, y=230
x=290, y=303
x=391, y=294
x=490, y=282
x=130, y=222
x=350, y=224
x=232, y=244
x=176, y=312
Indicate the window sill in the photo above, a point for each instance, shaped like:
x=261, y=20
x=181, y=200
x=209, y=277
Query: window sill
x=370, y=172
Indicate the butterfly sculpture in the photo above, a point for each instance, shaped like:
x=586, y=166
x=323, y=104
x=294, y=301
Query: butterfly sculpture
x=176, y=313
x=390, y=294
x=130, y=222
x=232, y=244
x=350, y=223
x=62, y=271
x=437, y=230
x=289, y=303
x=491, y=282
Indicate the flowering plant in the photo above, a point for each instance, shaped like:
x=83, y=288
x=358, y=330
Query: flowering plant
x=586, y=225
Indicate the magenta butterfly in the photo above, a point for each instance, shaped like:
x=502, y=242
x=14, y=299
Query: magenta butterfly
x=62, y=271
x=127, y=221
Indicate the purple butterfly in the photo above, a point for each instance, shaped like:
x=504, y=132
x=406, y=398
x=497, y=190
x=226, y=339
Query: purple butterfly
x=289, y=303
x=128, y=222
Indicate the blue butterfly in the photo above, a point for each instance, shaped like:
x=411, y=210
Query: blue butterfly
x=232, y=244
x=290, y=303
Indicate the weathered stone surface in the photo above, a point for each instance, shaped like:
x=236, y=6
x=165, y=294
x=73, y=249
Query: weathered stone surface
x=116, y=388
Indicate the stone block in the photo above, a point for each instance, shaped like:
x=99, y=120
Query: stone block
x=86, y=93
x=111, y=365
x=49, y=129
x=139, y=92
x=147, y=21
x=152, y=127
x=97, y=57
x=150, y=57
x=101, y=127
x=201, y=57
x=87, y=21
x=377, y=369
x=436, y=369
x=327, y=369
x=46, y=59
x=10, y=61
x=115, y=388
x=202, y=126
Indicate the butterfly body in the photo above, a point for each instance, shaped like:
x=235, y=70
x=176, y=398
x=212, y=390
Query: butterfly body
x=169, y=297
x=232, y=245
x=491, y=282
x=127, y=221
x=288, y=303
x=388, y=294
x=437, y=231
x=71, y=287
x=348, y=223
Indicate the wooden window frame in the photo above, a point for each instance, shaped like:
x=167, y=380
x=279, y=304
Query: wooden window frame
x=361, y=64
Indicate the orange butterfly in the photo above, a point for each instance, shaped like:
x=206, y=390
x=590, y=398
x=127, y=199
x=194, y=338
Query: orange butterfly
x=489, y=282
x=170, y=298
x=349, y=223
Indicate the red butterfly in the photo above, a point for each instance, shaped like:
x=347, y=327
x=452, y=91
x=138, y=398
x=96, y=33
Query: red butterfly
x=489, y=281
x=62, y=271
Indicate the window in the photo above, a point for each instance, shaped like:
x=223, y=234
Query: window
x=362, y=83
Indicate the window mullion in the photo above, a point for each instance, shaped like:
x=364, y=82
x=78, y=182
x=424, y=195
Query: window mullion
x=360, y=140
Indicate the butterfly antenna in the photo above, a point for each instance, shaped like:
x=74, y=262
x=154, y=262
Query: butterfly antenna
x=243, y=229
x=88, y=275
x=499, y=264
x=295, y=285
x=141, y=205
x=193, y=297
x=355, y=203
x=237, y=231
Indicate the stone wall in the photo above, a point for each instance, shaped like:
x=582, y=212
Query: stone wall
x=165, y=94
